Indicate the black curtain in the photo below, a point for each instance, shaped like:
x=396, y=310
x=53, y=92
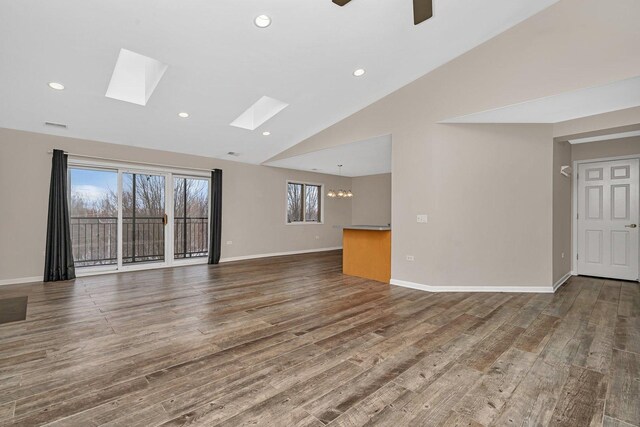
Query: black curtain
x=58, y=263
x=215, y=239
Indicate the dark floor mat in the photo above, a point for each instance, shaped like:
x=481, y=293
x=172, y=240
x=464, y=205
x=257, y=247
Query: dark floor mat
x=13, y=309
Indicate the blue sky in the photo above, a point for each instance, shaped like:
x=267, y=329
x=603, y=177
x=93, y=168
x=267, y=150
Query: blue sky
x=92, y=184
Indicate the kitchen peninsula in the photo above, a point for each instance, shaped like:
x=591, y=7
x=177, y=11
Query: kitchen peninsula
x=366, y=252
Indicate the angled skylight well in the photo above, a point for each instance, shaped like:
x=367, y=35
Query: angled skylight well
x=261, y=111
x=135, y=77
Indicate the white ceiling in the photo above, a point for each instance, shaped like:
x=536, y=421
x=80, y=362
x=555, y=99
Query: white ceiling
x=607, y=137
x=369, y=157
x=219, y=63
x=565, y=106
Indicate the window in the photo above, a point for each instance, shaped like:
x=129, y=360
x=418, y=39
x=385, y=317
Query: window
x=304, y=203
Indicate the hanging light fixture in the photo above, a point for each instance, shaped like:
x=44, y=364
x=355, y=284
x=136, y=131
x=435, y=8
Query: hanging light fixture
x=341, y=194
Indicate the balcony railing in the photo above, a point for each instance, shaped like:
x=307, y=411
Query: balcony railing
x=143, y=239
x=190, y=237
x=95, y=239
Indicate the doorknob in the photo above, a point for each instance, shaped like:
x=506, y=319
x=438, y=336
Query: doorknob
x=631, y=225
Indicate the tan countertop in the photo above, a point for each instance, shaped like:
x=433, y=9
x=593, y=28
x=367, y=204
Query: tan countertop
x=367, y=227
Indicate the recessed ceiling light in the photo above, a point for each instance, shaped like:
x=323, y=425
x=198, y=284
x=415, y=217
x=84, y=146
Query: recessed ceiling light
x=56, y=85
x=359, y=72
x=262, y=21
x=266, y=133
x=183, y=115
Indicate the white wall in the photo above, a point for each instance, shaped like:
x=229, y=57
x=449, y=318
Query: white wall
x=561, y=211
x=620, y=121
x=488, y=189
x=371, y=203
x=565, y=154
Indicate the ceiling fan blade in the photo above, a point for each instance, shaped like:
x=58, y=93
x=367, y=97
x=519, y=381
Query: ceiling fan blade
x=341, y=2
x=422, y=10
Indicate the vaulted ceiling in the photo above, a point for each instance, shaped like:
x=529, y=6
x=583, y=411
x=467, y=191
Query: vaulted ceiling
x=220, y=63
x=564, y=106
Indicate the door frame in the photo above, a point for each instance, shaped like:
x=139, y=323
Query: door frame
x=168, y=230
x=574, y=207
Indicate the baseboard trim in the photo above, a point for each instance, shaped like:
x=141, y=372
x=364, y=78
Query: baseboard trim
x=20, y=280
x=273, y=254
x=430, y=288
x=562, y=280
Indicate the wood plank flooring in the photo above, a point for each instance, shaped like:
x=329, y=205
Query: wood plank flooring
x=290, y=341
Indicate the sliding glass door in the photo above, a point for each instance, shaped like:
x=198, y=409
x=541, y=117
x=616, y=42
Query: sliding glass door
x=128, y=219
x=143, y=218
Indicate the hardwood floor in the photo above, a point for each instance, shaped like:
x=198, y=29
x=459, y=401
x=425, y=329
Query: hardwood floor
x=290, y=341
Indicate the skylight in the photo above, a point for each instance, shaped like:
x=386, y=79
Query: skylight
x=261, y=111
x=135, y=77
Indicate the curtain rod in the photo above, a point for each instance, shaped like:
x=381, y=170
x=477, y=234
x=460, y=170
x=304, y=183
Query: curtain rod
x=133, y=162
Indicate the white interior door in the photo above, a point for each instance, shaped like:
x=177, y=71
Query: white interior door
x=608, y=219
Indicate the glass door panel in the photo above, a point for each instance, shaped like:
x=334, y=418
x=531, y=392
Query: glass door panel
x=93, y=209
x=143, y=218
x=190, y=217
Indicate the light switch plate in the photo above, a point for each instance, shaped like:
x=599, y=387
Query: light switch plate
x=422, y=218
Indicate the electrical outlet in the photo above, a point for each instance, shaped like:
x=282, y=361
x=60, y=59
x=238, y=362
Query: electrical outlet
x=422, y=218
x=562, y=254
x=317, y=237
x=229, y=242
x=409, y=257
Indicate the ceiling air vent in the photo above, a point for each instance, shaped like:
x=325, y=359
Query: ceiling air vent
x=55, y=125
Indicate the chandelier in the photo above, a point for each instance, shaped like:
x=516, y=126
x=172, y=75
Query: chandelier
x=341, y=194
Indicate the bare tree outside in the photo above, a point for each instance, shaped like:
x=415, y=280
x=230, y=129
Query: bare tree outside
x=143, y=195
x=191, y=225
x=294, y=202
x=94, y=216
x=303, y=202
x=312, y=203
x=143, y=209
